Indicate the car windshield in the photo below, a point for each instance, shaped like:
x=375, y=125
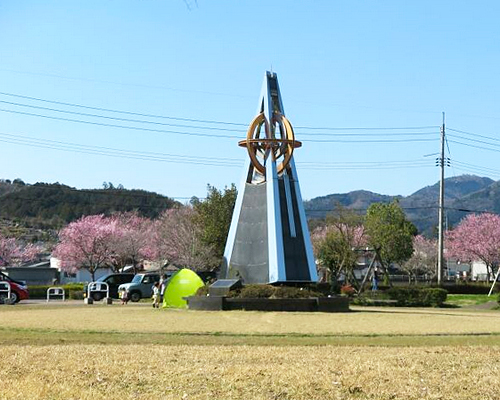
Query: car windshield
x=101, y=279
x=137, y=278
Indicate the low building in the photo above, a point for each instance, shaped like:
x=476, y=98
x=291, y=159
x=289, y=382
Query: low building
x=39, y=273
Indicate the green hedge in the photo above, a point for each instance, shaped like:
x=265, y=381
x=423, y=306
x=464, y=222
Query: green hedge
x=416, y=296
x=469, y=288
x=73, y=291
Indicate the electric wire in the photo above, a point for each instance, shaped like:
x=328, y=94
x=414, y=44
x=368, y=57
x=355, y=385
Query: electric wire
x=210, y=135
x=194, y=160
x=474, y=134
x=205, y=121
x=217, y=128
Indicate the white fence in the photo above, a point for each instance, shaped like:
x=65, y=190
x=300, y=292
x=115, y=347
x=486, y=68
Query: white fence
x=97, y=287
x=5, y=292
x=57, y=292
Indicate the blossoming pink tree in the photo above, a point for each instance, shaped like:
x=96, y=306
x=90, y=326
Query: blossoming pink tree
x=423, y=259
x=132, y=241
x=86, y=243
x=12, y=252
x=178, y=239
x=335, y=247
x=477, y=237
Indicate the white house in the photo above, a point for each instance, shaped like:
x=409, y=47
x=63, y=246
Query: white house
x=81, y=275
x=479, y=271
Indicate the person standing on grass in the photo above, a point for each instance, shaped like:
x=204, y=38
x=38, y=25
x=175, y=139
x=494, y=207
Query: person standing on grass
x=375, y=280
x=156, y=295
x=124, y=296
x=163, y=285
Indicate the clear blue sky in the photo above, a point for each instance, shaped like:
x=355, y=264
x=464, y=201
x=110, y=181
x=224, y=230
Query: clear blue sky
x=340, y=64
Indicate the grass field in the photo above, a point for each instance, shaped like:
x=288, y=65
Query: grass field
x=136, y=352
x=464, y=300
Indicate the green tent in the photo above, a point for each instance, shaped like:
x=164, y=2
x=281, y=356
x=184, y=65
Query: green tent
x=183, y=283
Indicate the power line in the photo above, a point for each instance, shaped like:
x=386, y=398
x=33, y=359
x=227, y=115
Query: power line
x=121, y=119
x=109, y=154
x=474, y=146
x=223, y=129
x=193, y=160
x=209, y=135
x=201, y=120
x=474, y=140
x=112, y=149
x=122, y=126
x=475, y=134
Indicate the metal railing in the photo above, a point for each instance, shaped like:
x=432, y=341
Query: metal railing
x=97, y=287
x=56, y=291
x=5, y=288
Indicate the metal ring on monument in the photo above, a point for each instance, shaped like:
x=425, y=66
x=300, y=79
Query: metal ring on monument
x=252, y=145
x=288, y=142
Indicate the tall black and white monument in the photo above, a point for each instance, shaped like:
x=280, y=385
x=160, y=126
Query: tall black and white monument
x=269, y=240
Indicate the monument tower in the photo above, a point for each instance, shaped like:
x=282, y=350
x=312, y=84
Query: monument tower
x=268, y=240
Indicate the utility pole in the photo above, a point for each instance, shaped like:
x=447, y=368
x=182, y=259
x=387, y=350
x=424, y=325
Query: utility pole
x=441, y=210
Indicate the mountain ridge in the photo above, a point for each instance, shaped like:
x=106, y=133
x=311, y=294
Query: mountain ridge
x=52, y=204
x=464, y=192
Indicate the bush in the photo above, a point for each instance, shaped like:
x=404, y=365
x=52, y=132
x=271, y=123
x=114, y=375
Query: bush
x=289, y=292
x=416, y=296
x=469, y=288
x=73, y=291
x=257, y=291
x=435, y=297
x=275, y=292
x=498, y=299
x=347, y=290
x=75, y=294
x=203, y=291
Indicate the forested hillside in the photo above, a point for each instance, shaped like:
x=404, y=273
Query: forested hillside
x=50, y=206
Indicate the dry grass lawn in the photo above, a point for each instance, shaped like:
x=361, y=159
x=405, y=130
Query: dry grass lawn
x=96, y=352
x=365, y=321
x=248, y=372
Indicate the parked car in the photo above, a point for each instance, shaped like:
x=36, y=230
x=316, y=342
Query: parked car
x=18, y=289
x=114, y=281
x=141, y=286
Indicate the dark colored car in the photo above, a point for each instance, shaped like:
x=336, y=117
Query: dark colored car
x=113, y=280
x=18, y=289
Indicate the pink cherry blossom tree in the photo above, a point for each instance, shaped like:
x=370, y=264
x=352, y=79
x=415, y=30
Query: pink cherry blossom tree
x=423, y=259
x=477, y=237
x=335, y=245
x=132, y=241
x=13, y=252
x=178, y=239
x=87, y=244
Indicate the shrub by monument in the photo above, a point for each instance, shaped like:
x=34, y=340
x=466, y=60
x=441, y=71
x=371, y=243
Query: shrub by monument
x=266, y=292
x=203, y=291
x=256, y=292
x=290, y=292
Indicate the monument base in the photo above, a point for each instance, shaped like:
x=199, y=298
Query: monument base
x=314, y=304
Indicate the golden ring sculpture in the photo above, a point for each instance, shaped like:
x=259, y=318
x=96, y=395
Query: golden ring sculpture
x=283, y=146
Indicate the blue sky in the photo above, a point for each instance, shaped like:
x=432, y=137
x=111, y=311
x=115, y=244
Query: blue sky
x=341, y=64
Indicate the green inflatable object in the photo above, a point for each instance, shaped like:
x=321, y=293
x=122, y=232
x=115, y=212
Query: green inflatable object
x=183, y=283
